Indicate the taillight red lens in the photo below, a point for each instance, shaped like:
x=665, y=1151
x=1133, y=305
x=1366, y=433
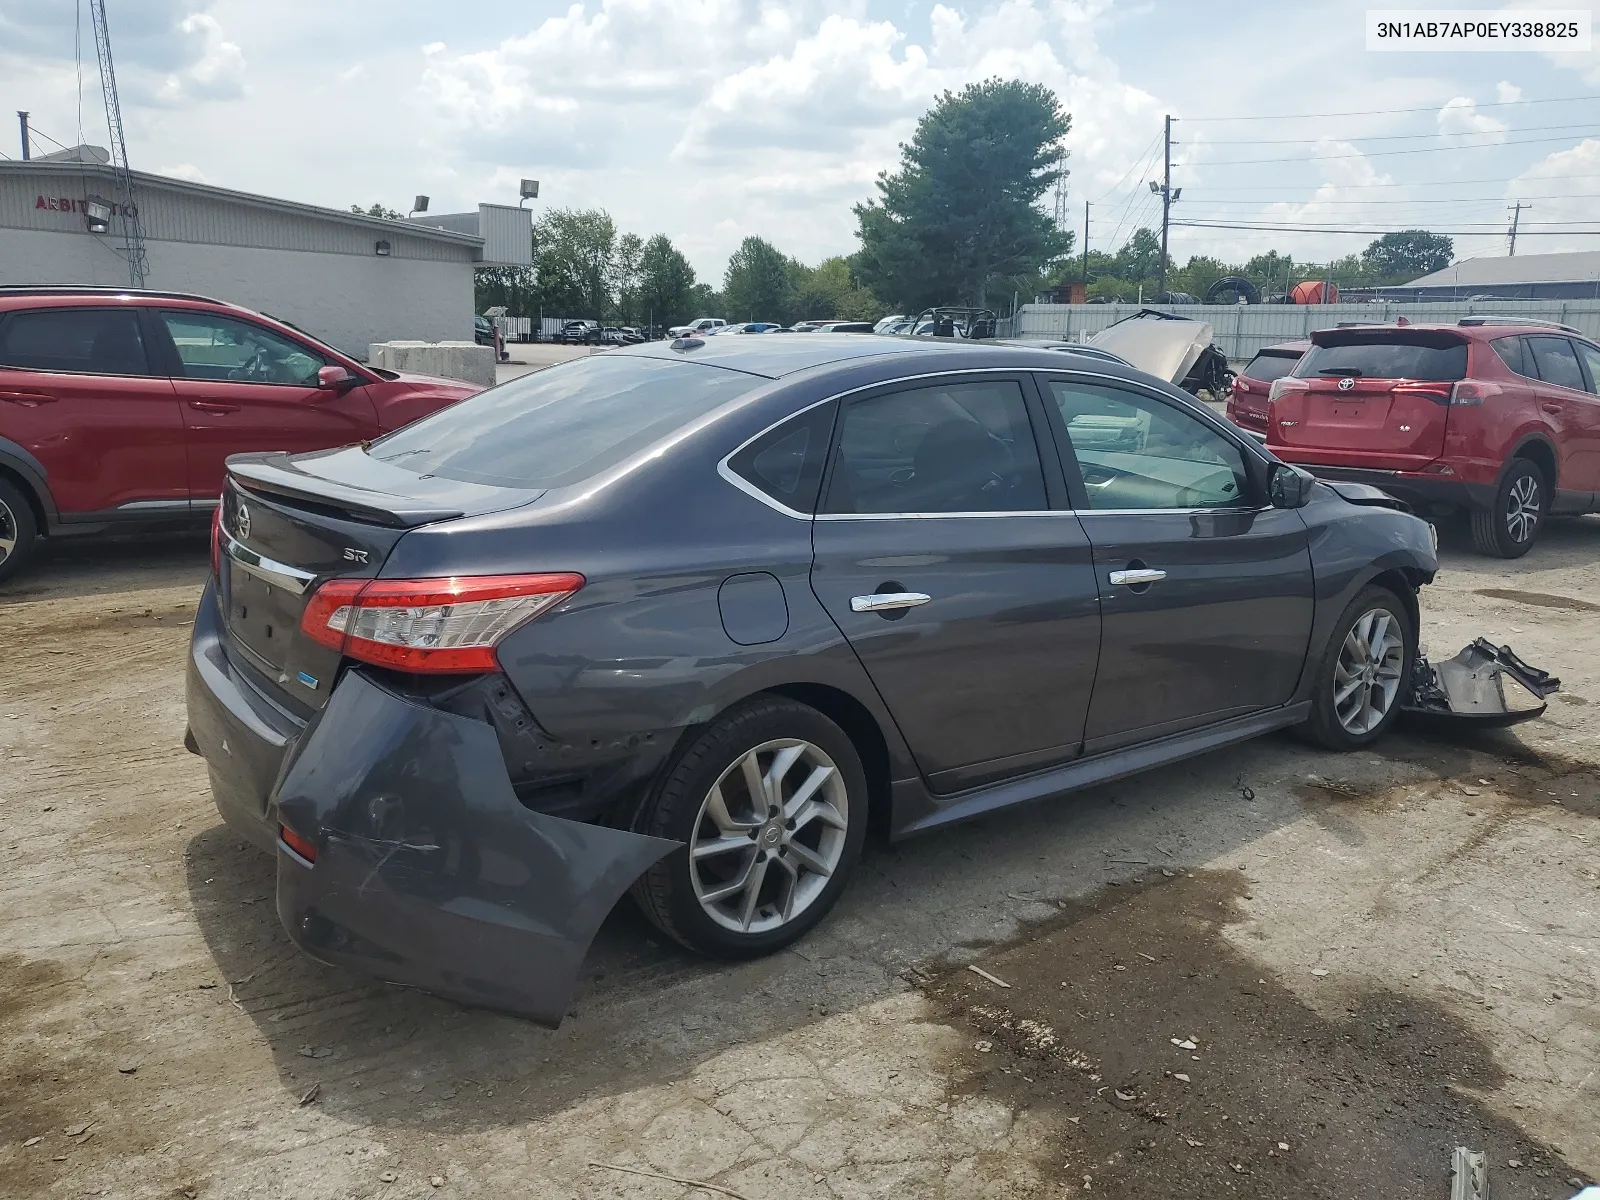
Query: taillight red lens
x=1439, y=393
x=1287, y=383
x=447, y=625
x=297, y=843
x=216, y=540
x=1470, y=393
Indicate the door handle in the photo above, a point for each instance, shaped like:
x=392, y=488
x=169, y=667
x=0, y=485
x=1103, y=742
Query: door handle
x=28, y=399
x=217, y=407
x=1552, y=408
x=1137, y=576
x=888, y=601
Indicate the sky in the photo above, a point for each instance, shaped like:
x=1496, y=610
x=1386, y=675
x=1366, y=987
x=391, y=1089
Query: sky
x=710, y=120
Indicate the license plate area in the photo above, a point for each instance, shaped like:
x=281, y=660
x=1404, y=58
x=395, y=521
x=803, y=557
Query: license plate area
x=263, y=618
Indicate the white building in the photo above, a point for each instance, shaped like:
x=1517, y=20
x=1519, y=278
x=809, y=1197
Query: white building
x=349, y=280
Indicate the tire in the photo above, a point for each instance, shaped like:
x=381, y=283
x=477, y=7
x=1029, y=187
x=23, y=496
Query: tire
x=699, y=902
x=1336, y=723
x=1521, y=503
x=19, y=534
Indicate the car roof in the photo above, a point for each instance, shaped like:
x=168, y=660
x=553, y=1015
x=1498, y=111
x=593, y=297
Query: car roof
x=26, y=294
x=776, y=357
x=1299, y=346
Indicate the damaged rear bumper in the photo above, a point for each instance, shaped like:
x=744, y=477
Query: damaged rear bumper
x=428, y=871
x=1485, y=685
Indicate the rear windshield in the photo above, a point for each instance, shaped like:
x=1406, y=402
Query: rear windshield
x=1388, y=356
x=1267, y=367
x=561, y=425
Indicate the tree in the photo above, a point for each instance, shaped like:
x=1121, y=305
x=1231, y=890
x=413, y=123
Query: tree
x=375, y=210
x=830, y=289
x=704, y=300
x=1140, y=257
x=575, y=253
x=759, y=283
x=666, y=283
x=1408, y=254
x=1198, y=274
x=625, y=277
x=962, y=210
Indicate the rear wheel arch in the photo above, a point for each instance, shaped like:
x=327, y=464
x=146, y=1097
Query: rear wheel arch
x=36, y=504
x=1541, y=453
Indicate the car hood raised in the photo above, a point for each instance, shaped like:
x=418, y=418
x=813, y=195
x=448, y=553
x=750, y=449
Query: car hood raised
x=1166, y=349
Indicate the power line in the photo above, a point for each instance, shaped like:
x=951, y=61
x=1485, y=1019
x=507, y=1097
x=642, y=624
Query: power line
x=1434, y=183
x=1129, y=171
x=1387, y=112
x=1370, y=230
x=1389, y=137
x=1239, y=162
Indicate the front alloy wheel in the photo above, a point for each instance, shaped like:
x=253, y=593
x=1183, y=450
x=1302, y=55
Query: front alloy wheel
x=770, y=803
x=1366, y=678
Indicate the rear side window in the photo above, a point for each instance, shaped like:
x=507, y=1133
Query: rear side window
x=92, y=341
x=1591, y=359
x=1557, y=363
x=564, y=424
x=1267, y=367
x=786, y=463
x=1421, y=356
x=947, y=448
x=1511, y=352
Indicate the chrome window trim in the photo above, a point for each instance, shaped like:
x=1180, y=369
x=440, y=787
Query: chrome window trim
x=272, y=571
x=1238, y=510
x=935, y=516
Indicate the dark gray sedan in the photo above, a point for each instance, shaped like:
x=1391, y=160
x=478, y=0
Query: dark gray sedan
x=686, y=619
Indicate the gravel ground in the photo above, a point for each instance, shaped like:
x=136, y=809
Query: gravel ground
x=1377, y=957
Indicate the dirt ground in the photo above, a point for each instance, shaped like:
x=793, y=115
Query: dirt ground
x=1376, y=957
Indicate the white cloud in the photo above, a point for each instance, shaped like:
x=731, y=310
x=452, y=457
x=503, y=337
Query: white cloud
x=1564, y=186
x=184, y=171
x=218, y=72
x=1461, y=122
x=1507, y=93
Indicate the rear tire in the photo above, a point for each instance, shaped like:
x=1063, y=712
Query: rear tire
x=1364, y=675
x=770, y=802
x=1521, y=503
x=19, y=533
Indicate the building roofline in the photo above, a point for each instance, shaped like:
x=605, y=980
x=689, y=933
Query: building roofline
x=82, y=170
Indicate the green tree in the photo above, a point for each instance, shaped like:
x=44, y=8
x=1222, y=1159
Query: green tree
x=831, y=289
x=625, y=277
x=1408, y=254
x=759, y=283
x=575, y=255
x=705, y=301
x=666, y=283
x=375, y=210
x=1139, y=259
x=514, y=287
x=962, y=210
x=1198, y=274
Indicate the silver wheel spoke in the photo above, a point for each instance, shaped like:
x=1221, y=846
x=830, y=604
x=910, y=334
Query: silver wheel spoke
x=791, y=888
x=717, y=810
x=817, y=810
x=732, y=887
x=803, y=855
x=1349, y=689
x=819, y=775
x=751, y=766
x=722, y=845
x=772, y=784
x=752, y=891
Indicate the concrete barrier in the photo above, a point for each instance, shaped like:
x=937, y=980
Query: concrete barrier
x=466, y=361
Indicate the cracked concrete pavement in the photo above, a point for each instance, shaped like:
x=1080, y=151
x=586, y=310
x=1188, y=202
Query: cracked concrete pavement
x=150, y=1005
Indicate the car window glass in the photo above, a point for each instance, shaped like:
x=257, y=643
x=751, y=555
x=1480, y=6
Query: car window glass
x=945, y=448
x=561, y=425
x=94, y=341
x=1433, y=357
x=1557, y=363
x=1136, y=452
x=786, y=463
x=1591, y=359
x=1510, y=351
x=222, y=348
x=1269, y=367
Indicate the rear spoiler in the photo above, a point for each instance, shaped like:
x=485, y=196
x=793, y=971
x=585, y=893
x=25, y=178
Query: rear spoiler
x=277, y=475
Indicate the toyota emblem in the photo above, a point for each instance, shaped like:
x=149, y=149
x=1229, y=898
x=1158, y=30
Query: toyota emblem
x=241, y=521
x=1346, y=384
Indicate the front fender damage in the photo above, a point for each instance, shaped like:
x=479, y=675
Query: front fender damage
x=429, y=872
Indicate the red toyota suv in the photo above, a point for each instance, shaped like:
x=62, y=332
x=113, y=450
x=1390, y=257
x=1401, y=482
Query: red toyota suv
x=118, y=408
x=1247, y=399
x=1495, y=416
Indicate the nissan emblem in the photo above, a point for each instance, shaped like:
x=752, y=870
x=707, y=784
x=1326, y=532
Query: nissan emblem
x=241, y=522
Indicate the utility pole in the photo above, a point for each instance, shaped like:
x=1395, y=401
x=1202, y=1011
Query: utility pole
x=1169, y=196
x=1086, y=249
x=1516, y=218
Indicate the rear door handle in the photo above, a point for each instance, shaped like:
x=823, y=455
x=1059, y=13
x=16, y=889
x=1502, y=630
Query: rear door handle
x=28, y=399
x=888, y=601
x=1552, y=408
x=1137, y=576
x=213, y=406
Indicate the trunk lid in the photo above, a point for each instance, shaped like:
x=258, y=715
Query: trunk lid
x=289, y=525
x=1375, y=397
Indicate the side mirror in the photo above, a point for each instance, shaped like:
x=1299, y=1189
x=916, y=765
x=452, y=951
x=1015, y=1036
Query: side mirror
x=1289, y=487
x=335, y=379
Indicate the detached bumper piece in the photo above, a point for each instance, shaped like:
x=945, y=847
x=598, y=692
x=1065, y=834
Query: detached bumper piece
x=428, y=871
x=1485, y=685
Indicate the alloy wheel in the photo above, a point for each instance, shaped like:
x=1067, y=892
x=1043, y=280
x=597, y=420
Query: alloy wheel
x=769, y=835
x=1366, y=679
x=8, y=531
x=1523, y=505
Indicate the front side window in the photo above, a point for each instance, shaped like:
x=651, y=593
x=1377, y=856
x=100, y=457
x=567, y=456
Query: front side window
x=1135, y=452
x=1591, y=359
x=564, y=424
x=1557, y=363
x=89, y=341
x=224, y=348
x=946, y=448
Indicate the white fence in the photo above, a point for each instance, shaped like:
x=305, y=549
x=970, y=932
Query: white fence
x=1242, y=329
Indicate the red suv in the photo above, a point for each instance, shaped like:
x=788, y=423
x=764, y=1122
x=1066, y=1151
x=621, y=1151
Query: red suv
x=1495, y=416
x=118, y=409
x=1247, y=399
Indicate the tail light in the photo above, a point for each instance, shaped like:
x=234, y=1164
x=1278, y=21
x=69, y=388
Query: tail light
x=1470, y=393
x=216, y=539
x=449, y=625
x=1287, y=383
x=301, y=846
x=1439, y=393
